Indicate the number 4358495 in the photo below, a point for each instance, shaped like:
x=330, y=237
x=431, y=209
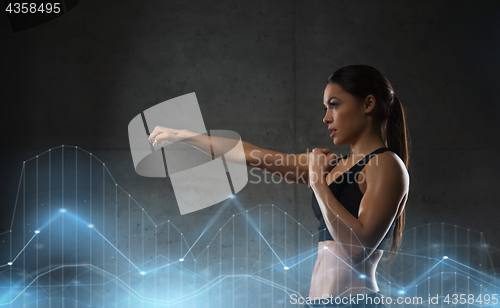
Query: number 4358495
x=470, y=299
x=26, y=8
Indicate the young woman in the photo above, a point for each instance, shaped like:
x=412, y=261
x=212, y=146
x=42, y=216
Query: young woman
x=359, y=199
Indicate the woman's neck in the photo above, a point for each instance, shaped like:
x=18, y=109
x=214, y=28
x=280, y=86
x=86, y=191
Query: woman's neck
x=366, y=144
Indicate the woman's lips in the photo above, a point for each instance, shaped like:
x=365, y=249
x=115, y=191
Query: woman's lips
x=332, y=133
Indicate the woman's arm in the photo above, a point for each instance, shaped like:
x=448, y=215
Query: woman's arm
x=293, y=167
x=387, y=184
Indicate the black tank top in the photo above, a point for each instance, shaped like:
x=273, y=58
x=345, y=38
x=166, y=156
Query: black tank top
x=346, y=189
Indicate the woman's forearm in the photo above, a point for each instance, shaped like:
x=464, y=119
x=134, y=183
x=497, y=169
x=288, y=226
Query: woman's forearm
x=292, y=167
x=218, y=146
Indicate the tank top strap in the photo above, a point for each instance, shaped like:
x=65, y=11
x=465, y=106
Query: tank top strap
x=367, y=158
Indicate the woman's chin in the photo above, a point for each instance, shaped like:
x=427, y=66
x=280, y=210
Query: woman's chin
x=338, y=142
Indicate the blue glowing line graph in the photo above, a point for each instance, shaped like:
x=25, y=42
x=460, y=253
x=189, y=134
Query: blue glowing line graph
x=283, y=260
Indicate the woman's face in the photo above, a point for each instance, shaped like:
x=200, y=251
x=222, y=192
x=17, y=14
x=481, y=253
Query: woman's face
x=345, y=115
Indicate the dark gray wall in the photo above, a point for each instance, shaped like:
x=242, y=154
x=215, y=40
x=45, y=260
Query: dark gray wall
x=259, y=68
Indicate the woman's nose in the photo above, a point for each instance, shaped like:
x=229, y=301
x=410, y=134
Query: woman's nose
x=327, y=119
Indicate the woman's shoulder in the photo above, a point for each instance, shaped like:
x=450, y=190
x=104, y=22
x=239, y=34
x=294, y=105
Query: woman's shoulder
x=389, y=158
x=388, y=164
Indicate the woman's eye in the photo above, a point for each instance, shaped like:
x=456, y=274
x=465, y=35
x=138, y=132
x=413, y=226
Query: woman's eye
x=331, y=105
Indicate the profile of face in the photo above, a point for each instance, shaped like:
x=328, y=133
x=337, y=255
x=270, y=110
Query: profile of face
x=345, y=114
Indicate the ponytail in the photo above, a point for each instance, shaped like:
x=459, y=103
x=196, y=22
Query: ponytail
x=397, y=140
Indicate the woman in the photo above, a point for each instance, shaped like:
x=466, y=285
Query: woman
x=359, y=198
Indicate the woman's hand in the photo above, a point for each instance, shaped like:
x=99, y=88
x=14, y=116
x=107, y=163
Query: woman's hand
x=160, y=135
x=321, y=162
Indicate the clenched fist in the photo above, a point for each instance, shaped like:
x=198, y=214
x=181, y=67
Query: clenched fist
x=321, y=162
x=160, y=135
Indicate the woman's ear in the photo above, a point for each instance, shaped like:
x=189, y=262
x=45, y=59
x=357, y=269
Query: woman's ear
x=370, y=103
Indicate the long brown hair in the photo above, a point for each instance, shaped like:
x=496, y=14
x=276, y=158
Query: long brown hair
x=361, y=81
